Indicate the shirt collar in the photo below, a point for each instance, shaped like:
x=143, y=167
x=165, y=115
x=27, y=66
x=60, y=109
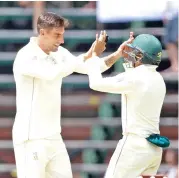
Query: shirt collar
x=39, y=51
x=127, y=67
x=148, y=66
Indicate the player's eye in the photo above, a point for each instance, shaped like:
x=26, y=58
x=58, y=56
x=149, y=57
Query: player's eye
x=139, y=55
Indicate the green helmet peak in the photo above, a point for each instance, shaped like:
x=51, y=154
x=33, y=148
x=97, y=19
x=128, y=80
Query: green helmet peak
x=150, y=47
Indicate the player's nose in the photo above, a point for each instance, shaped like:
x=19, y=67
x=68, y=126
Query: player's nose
x=61, y=40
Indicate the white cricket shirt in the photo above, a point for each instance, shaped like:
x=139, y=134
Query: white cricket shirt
x=38, y=79
x=143, y=91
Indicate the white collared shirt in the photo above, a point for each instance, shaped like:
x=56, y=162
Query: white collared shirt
x=38, y=79
x=143, y=91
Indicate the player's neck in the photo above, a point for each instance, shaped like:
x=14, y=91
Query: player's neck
x=42, y=46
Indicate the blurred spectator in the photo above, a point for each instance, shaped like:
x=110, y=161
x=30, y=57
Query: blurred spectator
x=171, y=159
x=171, y=33
x=38, y=8
x=90, y=5
x=25, y=3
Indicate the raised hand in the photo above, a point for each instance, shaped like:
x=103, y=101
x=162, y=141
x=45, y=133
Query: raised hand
x=99, y=45
x=124, y=46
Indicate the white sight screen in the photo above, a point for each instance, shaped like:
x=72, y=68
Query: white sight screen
x=128, y=10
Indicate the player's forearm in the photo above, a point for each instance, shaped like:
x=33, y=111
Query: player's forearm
x=86, y=56
x=112, y=58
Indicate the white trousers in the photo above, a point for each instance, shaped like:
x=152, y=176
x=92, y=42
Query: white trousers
x=134, y=156
x=42, y=159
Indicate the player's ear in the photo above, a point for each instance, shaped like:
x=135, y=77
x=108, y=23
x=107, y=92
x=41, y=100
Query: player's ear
x=42, y=32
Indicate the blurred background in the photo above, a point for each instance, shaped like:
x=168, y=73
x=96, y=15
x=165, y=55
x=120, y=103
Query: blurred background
x=91, y=124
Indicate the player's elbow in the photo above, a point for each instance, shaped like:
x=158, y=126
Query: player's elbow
x=94, y=86
x=103, y=68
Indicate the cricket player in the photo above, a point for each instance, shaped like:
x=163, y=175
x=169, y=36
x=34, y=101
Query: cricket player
x=39, y=68
x=139, y=152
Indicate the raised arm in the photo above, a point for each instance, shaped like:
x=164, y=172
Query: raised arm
x=96, y=49
x=112, y=58
x=117, y=84
x=81, y=65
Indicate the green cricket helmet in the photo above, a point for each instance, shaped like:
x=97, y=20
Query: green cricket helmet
x=146, y=48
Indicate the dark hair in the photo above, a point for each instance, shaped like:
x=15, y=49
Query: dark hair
x=51, y=20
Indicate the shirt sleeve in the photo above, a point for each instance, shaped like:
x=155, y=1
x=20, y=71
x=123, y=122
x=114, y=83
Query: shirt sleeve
x=81, y=65
x=78, y=64
x=33, y=66
x=119, y=84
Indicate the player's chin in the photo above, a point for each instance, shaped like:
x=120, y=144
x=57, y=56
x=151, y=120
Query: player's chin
x=55, y=49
